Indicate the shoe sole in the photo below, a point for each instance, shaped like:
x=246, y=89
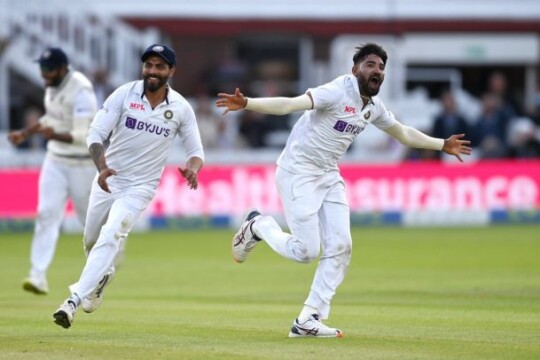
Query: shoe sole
x=338, y=335
x=238, y=261
x=28, y=286
x=244, y=219
x=295, y=333
x=89, y=309
x=61, y=318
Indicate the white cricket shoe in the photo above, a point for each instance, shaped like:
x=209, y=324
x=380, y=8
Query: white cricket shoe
x=93, y=301
x=65, y=313
x=244, y=240
x=36, y=285
x=313, y=327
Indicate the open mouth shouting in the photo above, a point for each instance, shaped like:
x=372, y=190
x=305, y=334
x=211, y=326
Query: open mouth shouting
x=372, y=85
x=374, y=82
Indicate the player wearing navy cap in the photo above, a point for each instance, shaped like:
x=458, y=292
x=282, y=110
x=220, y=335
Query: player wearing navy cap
x=70, y=104
x=144, y=117
x=163, y=51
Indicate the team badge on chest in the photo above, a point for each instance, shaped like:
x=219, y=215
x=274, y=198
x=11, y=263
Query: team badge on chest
x=367, y=115
x=168, y=114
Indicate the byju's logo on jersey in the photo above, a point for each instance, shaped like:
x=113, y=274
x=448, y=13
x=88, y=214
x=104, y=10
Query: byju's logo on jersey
x=135, y=124
x=345, y=127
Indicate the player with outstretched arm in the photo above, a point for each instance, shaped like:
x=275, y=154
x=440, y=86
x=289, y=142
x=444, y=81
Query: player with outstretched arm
x=311, y=188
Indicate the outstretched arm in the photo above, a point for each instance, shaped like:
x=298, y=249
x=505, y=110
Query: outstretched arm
x=267, y=105
x=409, y=136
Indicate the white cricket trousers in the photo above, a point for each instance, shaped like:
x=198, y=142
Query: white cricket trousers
x=317, y=213
x=110, y=218
x=58, y=181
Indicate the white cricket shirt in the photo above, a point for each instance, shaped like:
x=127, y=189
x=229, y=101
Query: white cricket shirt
x=141, y=136
x=69, y=108
x=322, y=135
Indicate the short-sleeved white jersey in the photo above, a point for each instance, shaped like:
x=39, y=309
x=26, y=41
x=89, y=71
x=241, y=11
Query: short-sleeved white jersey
x=322, y=135
x=141, y=136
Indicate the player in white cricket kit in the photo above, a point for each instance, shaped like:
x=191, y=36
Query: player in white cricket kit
x=308, y=179
x=70, y=105
x=144, y=117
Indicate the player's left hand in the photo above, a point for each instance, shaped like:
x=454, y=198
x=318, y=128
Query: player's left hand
x=47, y=132
x=191, y=177
x=455, y=146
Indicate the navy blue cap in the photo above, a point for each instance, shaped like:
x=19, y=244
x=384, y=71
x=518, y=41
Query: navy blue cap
x=52, y=58
x=163, y=51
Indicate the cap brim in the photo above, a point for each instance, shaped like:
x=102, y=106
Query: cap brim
x=155, y=53
x=46, y=67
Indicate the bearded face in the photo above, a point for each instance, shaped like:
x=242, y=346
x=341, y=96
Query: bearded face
x=156, y=73
x=152, y=82
x=370, y=75
x=369, y=86
x=52, y=78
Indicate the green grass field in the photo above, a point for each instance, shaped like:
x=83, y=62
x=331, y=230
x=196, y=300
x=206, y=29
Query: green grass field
x=470, y=293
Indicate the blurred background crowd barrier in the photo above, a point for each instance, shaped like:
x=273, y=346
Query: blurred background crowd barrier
x=454, y=66
x=408, y=194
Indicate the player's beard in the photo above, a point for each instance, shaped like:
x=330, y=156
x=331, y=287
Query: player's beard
x=154, y=86
x=370, y=86
x=54, y=81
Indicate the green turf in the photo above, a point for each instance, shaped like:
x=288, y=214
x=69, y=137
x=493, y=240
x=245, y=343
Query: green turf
x=470, y=293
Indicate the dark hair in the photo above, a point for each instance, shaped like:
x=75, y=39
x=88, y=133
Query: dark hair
x=367, y=49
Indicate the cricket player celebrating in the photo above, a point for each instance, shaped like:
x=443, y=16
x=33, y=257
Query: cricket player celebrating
x=309, y=183
x=70, y=105
x=144, y=117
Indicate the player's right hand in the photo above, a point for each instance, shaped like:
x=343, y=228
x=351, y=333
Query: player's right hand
x=17, y=137
x=232, y=102
x=102, y=178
